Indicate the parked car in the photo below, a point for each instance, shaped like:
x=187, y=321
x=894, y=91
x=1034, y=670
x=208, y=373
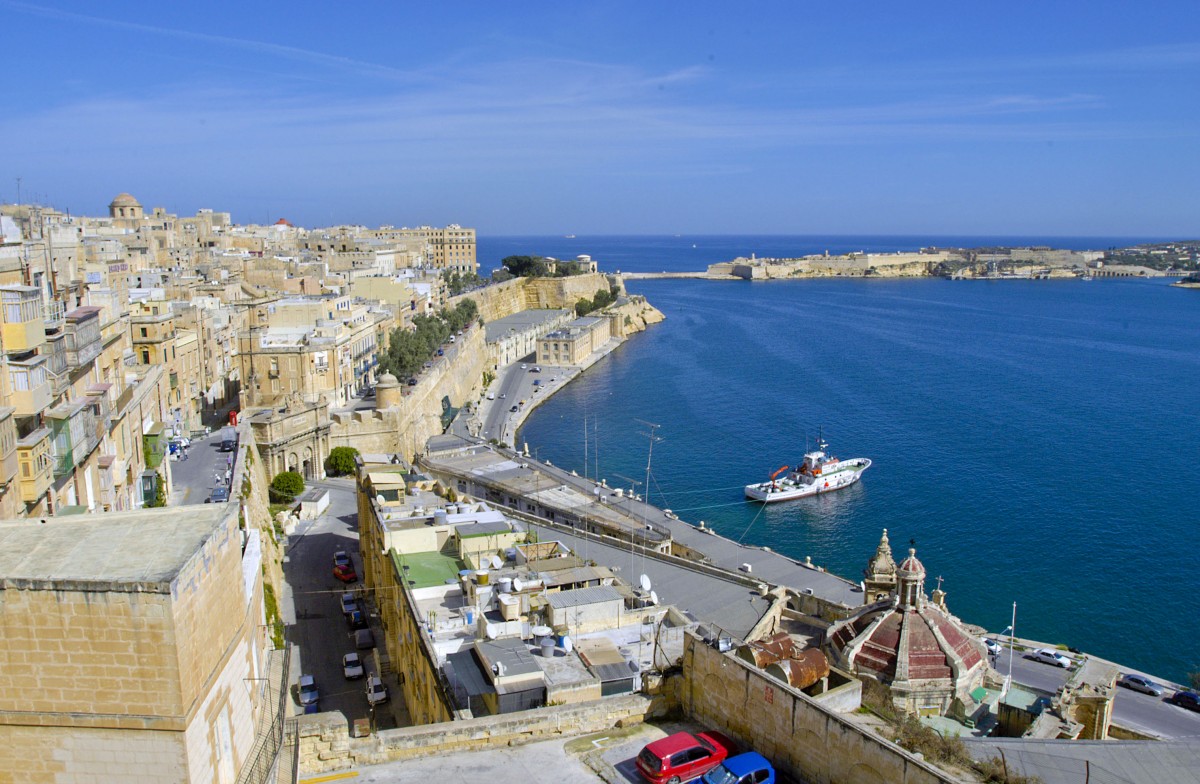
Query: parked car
x=1187, y=699
x=513, y=409
x=349, y=603
x=306, y=689
x=356, y=619
x=412, y=382
x=502, y=395
x=524, y=367
x=377, y=693
x=219, y=495
x=341, y=558
x=682, y=756
x=352, y=666
x=441, y=352
x=1140, y=683
x=748, y=768
x=1050, y=656
x=536, y=369
x=993, y=647
x=345, y=573
x=364, y=640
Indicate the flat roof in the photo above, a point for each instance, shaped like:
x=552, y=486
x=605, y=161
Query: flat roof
x=520, y=322
x=427, y=569
x=108, y=549
x=581, y=596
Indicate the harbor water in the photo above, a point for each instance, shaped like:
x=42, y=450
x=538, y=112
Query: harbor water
x=1035, y=440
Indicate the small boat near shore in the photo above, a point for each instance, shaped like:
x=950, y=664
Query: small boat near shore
x=819, y=473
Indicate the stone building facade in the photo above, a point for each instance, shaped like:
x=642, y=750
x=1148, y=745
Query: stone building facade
x=127, y=663
x=294, y=437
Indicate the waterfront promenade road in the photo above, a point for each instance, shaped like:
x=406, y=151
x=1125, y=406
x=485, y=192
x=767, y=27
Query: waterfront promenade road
x=1141, y=712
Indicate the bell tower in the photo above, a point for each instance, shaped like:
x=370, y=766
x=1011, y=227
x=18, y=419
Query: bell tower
x=880, y=574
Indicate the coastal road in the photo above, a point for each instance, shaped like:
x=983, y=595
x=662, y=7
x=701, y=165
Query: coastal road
x=1142, y=712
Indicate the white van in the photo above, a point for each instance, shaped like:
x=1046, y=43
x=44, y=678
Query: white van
x=491, y=395
x=451, y=338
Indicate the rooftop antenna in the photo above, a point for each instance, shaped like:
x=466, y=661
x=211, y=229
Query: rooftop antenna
x=652, y=434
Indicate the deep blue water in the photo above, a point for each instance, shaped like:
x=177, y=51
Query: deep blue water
x=1037, y=439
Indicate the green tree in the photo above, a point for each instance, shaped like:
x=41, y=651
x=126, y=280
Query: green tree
x=286, y=486
x=526, y=266
x=341, y=461
x=583, y=306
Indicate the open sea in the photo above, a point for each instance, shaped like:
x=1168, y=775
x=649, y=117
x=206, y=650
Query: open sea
x=1038, y=440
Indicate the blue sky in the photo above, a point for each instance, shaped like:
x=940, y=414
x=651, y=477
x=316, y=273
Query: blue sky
x=524, y=118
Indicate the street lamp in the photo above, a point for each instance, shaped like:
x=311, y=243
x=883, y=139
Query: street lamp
x=1011, y=629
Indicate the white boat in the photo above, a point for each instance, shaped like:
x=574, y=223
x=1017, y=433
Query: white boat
x=819, y=473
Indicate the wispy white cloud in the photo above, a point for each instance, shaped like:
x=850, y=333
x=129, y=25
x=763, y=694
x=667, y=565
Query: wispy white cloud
x=260, y=47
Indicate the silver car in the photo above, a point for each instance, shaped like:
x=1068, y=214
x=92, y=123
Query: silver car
x=1049, y=656
x=352, y=666
x=377, y=693
x=1141, y=683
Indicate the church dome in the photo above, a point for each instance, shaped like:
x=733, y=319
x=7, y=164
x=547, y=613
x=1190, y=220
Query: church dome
x=914, y=646
x=911, y=567
x=125, y=200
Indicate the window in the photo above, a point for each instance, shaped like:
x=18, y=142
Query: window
x=144, y=332
x=145, y=356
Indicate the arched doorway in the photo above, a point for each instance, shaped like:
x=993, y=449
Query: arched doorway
x=308, y=464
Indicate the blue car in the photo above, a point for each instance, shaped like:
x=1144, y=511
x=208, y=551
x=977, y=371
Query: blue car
x=748, y=768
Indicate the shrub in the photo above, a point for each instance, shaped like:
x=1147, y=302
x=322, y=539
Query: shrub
x=286, y=486
x=341, y=461
x=160, y=492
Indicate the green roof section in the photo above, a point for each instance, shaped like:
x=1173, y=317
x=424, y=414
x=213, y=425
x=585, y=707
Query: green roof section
x=426, y=570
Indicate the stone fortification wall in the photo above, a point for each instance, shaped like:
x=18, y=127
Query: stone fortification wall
x=496, y=301
x=250, y=484
x=803, y=738
x=405, y=428
x=633, y=315
x=884, y=265
x=563, y=292
x=326, y=745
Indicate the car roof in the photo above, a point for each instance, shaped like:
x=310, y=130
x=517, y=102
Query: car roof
x=352, y=656
x=307, y=680
x=665, y=747
x=745, y=763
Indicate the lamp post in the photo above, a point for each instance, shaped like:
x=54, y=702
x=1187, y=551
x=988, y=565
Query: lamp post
x=1012, y=640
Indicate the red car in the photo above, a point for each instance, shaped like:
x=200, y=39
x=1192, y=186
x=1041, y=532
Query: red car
x=345, y=573
x=683, y=756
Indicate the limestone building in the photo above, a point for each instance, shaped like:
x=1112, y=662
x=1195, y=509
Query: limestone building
x=127, y=663
x=574, y=343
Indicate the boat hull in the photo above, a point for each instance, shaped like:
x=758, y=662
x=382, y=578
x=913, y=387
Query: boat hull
x=790, y=488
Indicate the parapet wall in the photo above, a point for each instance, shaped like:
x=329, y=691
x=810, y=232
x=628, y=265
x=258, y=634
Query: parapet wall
x=803, y=738
x=325, y=743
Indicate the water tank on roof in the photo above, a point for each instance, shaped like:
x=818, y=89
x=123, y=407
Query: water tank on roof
x=547, y=647
x=439, y=517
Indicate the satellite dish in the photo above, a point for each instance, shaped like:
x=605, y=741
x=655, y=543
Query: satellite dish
x=653, y=597
x=492, y=631
x=567, y=645
x=517, y=584
x=496, y=562
x=644, y=581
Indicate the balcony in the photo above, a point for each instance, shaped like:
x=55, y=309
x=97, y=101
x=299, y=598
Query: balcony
x=8, y=446
x=84, y=341
x=154, y=446
x=75, y=432
x=30, y=385
x=33, y=455
x=24, y=323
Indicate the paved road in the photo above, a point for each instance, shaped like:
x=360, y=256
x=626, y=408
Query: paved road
x=546, y=762
x=194, y=478
x=1132, y=709
x=320, y=630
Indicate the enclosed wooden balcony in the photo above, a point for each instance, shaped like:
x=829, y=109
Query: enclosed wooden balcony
x=30, y=385
x=37, y=469
x=23, y=321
